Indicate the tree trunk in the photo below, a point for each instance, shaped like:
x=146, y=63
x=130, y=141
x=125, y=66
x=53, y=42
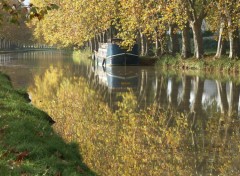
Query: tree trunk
x=175, y=48
x=1, y=43
x=143, y=43
x=221, y=48
x=139, y=43
x=186, y=45
x=157, y=45
x=90, y=45
x=234, y=44
x=186, y=42
x=9, y=44
x=100, y=38
x=197, y=38
x=147, y=46
x=4, y=44
x=163, y=43
x=104, y=37
x=95, y=43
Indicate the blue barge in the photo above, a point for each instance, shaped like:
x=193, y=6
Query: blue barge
x=111, y=54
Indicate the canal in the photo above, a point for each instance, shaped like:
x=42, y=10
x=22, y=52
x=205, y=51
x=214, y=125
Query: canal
x=135, y=120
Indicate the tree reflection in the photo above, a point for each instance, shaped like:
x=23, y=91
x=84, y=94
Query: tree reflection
x=174, y=93
x=185, y=97
x=129, y=142
x=222, y=92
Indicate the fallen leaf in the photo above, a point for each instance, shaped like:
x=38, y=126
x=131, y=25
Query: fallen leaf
x=80, y=170
x=58, y=174
x=22, y=155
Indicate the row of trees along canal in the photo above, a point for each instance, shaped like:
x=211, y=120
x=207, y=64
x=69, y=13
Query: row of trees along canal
x=152, y=24
x=15, y=29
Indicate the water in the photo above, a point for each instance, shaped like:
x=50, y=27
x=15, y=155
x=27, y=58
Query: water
x=169, y=124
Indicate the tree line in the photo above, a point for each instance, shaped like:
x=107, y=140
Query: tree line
x=150, y=23
x=16, y=31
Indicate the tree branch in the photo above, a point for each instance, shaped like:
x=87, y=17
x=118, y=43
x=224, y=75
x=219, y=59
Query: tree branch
x=192, y=10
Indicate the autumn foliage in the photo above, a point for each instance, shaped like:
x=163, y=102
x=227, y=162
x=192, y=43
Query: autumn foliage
x=155, y=25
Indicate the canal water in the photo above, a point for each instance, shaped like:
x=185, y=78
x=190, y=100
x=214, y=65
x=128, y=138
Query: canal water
x=135, y=120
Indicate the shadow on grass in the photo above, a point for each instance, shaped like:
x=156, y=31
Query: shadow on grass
x=28, y=144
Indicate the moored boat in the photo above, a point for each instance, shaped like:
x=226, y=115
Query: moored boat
x=110, y=54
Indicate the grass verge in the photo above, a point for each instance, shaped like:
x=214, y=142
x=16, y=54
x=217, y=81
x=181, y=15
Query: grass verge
x=28, y=144
x=209, y=64
x=78, y=55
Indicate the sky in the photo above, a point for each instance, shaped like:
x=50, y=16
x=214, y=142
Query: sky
x=26, y=1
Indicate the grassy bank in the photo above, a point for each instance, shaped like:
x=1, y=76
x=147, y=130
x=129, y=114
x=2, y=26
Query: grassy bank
x=208, y=64
x=28, y=144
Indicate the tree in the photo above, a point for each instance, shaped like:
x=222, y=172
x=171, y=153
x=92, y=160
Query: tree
x=146, y=22
x=224, y=20
x=75, y=22
x=196, y=11
x=13, y=15
x=232, y=12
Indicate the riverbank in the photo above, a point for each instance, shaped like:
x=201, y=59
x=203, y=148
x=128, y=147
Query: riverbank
x=209, y=64
x=28, y=144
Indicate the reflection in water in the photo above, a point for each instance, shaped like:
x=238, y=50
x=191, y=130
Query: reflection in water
x=23, y=66
x=116, y=80
x=162, y=125
x=158, y=140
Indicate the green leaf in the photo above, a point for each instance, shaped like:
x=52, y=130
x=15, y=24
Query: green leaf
x=54, y=6
x=6, y=7
x=33, y=10
x=14, y=20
